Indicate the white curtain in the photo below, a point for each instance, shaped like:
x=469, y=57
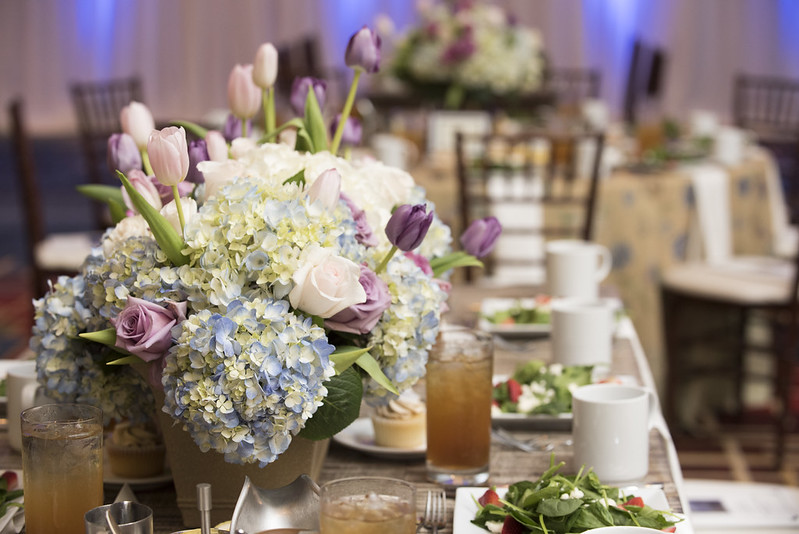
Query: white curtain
x=184, y=49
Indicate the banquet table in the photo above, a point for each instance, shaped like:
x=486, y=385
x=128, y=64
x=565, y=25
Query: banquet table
x=508, y=464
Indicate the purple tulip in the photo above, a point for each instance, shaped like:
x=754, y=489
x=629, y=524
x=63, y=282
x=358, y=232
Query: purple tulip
x=123, y=154
x=363, y=51
x=408, y=225
x=299, y=93
x=165, y=192
x=198, y=151
x=352, y=130
x=232, y=128
x=363, y=232
x=481, y=236
x=362, y=318
x=460, y=50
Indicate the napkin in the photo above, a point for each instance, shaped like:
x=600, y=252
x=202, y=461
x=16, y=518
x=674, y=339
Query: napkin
x=786, y=240
x=712, y=196
x=14, y=519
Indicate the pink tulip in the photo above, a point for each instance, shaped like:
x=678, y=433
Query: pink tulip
x=244, y=97
x=138, y=122
x=169, y=155
x=326, y=189
x=216, y=145
x=264, y=71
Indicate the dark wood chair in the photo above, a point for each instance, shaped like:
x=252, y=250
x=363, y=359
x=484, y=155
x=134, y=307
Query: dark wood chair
x=97, y=106
x=769, y=107
x=573, y=85
x=708, y=310
x=644, y=78
x=49, y=255
x=540, y=184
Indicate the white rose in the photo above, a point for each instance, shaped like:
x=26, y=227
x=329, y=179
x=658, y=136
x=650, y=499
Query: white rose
x=128, y=227
x=325, y=283
x=217, y=174
x=170, y=212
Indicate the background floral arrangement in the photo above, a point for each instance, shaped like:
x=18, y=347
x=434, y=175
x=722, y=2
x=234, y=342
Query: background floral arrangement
x=265, y=287
x=469, y=46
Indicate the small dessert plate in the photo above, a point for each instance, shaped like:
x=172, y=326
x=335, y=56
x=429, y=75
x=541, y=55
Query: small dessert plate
x=360, y=436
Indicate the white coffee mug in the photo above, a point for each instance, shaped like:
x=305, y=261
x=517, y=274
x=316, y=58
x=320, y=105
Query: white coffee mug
x=582, y=331
x=23, y=392
x=575, y=268
x=395, y=151
x=611, y=430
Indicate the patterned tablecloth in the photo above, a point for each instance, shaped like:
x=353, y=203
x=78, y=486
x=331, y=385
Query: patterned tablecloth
x=508, y=464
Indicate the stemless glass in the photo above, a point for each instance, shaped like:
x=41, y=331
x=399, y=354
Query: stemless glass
x=62, y=466
x=367, y=505
x=459, y=372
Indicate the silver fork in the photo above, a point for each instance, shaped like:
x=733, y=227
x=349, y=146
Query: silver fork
x=435, y=511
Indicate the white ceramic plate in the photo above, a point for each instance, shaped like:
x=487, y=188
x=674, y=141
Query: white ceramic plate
x=559, y=422
x=466, y=507
x=492, y=305
x=361, y=437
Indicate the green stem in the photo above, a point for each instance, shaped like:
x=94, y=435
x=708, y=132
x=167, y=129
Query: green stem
x=145, y=159
x=383, y=263
x=269, y=109
x=178, y=205
x=244, y=128
x=345, y=113
x=348, y=152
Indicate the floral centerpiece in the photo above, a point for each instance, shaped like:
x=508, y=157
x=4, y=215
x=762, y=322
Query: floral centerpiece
x=469, y=49
x=265, y=287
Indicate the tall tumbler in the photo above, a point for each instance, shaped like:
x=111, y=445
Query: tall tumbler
x=62, y=465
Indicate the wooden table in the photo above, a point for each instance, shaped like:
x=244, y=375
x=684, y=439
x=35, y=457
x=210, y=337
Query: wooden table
x=508, y=464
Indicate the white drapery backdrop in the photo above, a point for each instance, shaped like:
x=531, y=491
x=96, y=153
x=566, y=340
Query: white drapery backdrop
x=183, y=50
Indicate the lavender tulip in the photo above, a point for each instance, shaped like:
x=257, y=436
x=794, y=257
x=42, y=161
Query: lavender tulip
x=408, y=226
x=362, y=318
x=232, y=128
x=198, y=152
x=167, y=195
x=363, y=51
x=481, y=236
x=244, y=97
x=299, y=93
x=169, y=155
x=352, y=130
x=123, y=154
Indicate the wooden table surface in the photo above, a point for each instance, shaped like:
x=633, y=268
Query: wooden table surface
x=507, y=465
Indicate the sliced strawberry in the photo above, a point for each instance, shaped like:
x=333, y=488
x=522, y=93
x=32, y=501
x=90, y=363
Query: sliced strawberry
x=11, y=480
x=634, y=501
x=511, y=526
x=508, y=321
x=669, y=529
x=514, y=390
x=489, y=497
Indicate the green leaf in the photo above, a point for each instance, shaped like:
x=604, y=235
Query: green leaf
x=168, y=239
x=343, y=357
x=340, y=408
x=127, y=360
x=103, y=193
x=315, y=123
x=191, y=127
x=558, y=507
x=304, y=142
x=118, y=211
x=372, y=368
x=106, y=337
x=298, y=179
x=450, y=261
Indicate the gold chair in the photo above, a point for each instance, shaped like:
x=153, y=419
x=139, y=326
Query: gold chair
x=540, y=184
x=49, y=255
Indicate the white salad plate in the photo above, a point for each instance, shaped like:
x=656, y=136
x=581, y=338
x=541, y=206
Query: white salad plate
x=466, y=507
x=360, y=435
x=490, y=306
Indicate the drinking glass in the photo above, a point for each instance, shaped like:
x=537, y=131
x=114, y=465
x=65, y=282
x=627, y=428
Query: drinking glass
x=62, y=466
x=367, y=505
x=459, y=372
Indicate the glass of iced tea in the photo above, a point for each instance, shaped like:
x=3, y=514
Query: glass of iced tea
x=62, y=466
x=459, y=372
x=368, y=505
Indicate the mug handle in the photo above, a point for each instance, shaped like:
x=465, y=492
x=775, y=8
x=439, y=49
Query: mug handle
x=654, y=408
x=605, y=264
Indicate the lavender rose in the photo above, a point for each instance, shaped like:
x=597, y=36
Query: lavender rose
x=362, y=318
x=143, y=327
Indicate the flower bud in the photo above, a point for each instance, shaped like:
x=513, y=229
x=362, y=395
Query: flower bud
x=145, y=187
x=363, y=51
x=232, y=128
x=481, y=236
x=326, y=189
x=264, y=71
x=197, y=152
x=408, y=226
x=123, y=154
x=169, y=155
x=352, y=133
x=243, y=96
x=216, y=146
x=299, y=93
x=138, y=122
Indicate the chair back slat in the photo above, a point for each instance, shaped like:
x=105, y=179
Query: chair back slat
x=26, y=177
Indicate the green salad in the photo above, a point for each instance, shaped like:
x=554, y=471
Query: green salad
x=538, y=388
x=523, y=311
x=558, y=504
